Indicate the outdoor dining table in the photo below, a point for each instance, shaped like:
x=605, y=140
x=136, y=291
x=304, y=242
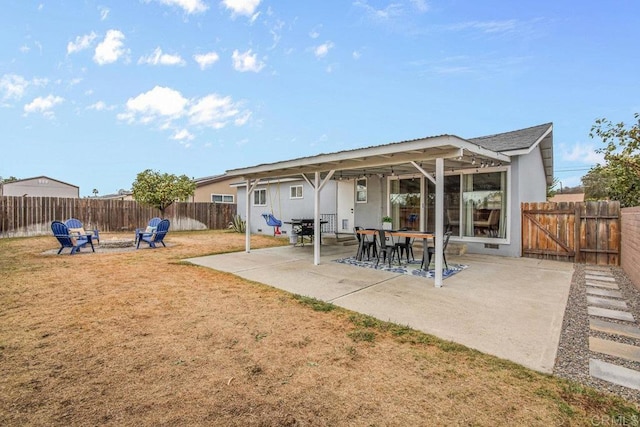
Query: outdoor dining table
x=424, y=235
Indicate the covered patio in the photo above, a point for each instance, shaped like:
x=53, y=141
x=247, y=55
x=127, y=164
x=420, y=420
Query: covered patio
x=425, y=156
x=508, y=307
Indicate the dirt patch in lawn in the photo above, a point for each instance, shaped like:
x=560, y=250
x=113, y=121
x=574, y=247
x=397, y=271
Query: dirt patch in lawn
x=140, y=338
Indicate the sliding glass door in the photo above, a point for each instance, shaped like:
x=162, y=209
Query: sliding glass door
x=404, y=200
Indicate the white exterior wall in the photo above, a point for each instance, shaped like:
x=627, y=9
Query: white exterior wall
x=283, y=207
x=40, y=187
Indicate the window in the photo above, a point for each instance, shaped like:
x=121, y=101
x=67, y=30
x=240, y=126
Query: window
x=361, y=190
x=484, y=205
x=222, y=198
x=260, y=197
x=295, y=192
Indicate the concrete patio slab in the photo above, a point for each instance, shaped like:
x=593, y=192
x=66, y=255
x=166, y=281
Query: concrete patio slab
x=508, y=307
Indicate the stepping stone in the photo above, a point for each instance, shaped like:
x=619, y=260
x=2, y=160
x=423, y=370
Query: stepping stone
x=604, y=292
x=600, y=278
x=603, y=285
x=614, y=328
x=606, y=302
x=614, y=374
x=616, y=349
x=611, y=314
x=597, y=272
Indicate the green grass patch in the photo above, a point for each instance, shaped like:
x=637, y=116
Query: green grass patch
x=314, y=303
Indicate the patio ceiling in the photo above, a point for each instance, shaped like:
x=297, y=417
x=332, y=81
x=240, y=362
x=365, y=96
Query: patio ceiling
x=397, y=158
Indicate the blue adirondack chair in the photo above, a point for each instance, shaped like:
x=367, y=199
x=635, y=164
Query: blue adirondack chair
x=74, y=223
x=67, y=240
x=157, y=236
x=149, y=230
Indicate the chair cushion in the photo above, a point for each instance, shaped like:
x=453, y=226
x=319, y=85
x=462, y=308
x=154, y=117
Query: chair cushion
x=79, y=231
x=150, y=229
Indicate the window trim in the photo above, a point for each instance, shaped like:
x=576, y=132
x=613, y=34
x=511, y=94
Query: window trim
x=223, y=196
x=366, y=190
x=291, y=196
x=255, y=192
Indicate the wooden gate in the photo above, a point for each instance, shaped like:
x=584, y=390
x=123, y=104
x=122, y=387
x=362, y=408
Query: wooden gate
x=586, y=232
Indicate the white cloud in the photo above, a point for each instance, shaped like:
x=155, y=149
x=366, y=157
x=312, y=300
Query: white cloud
x=393, y=10
x=183, y=135
x=12, y=86
x=315, y=32
x=104, y=12
x=584, y=154
x=491, y=27
x=212, y=111
x=322, y=50
x=242, y=119
x=189, y=6
x=43, y=105
x=420, y=5
x=170, y=110
x=100, y=106
x=111, y=48
x=241, y=7
x=81, y=43
x=159, y=58
x=205, y=60
x=246, y=62
x=356, y=55
x=159, y=102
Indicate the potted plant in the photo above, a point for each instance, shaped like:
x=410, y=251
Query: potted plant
x=386, y=222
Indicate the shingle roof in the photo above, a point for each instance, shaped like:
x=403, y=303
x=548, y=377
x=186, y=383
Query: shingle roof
x=514, y=140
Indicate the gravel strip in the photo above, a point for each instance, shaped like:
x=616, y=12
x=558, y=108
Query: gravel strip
x=572, y=360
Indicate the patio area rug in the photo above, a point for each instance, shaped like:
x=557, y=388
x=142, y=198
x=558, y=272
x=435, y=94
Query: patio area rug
x=412, y=268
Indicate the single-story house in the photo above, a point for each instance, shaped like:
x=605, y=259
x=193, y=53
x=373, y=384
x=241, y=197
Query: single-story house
x=215, y=189
x=472, y=187
x=39, y=186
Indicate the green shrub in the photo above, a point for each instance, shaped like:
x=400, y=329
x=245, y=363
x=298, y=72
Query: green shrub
x=238, y=225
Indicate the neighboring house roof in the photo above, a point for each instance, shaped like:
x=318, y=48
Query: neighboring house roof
x=39, y=177
x=122, y=194
x=210, y=179
x=567, y=197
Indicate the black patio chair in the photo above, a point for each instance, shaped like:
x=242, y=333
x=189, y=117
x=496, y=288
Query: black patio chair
x=431, y=250
x=386, y=250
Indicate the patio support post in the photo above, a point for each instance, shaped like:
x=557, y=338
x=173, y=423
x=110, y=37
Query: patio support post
x=247, y=212
x=439, y=220
x=316, y=220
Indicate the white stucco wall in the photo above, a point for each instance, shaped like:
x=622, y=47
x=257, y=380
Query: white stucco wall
x=283, y=207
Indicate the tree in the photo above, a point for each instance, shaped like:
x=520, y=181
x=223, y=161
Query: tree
x=161, y=190
x=619, y=178
x=95, y=192
x=10, y=179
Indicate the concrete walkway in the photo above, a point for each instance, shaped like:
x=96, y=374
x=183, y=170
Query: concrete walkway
x=508, y=307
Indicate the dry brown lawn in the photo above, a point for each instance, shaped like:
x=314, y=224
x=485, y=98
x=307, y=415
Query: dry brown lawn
x=141, y=338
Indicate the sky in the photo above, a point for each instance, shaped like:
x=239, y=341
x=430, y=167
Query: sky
x=94, y=92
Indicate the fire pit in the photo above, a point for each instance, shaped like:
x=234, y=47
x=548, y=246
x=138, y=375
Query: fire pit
x=116, y=243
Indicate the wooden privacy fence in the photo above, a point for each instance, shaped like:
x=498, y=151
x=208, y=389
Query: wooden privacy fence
x=584, y=232
x=32, y=216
